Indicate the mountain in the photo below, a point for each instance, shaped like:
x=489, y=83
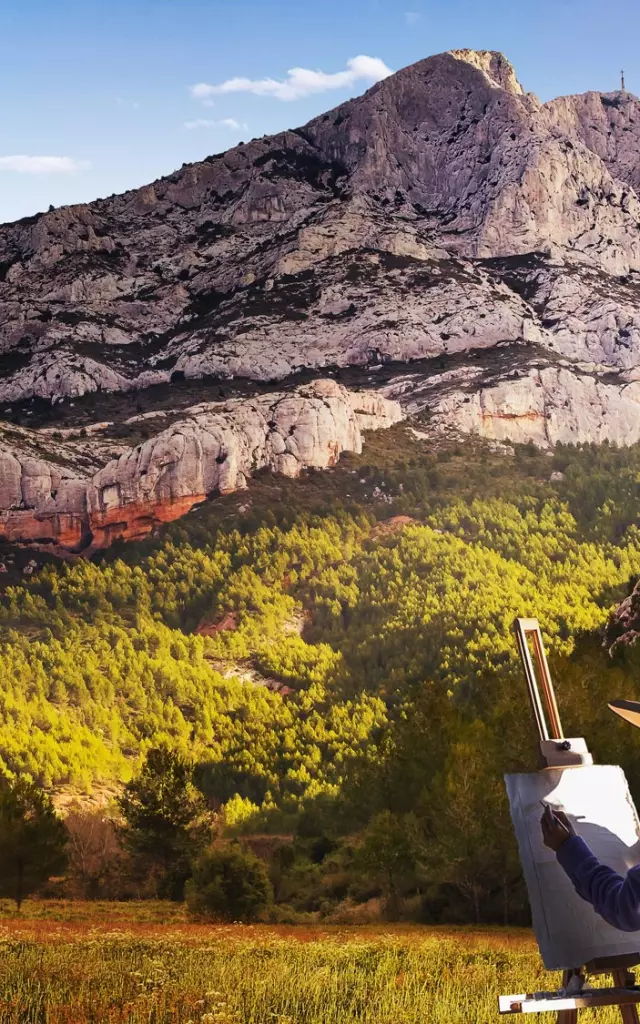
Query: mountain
x=446, y=219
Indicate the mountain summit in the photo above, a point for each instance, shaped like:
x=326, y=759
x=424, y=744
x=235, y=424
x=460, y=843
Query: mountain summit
x=360, y=236
x=445, y=210
x=495, y=66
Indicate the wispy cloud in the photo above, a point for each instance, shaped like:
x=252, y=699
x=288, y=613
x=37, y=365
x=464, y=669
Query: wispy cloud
x=300, y=82
x=129, y=104
x=412, y=17
x=200, y=122
x=21, y=164
x=225, y=122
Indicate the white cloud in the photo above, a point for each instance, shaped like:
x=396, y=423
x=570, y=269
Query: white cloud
x=22, y=164
x=412, y=17
x=226, y=122
x=300, y=82
x=236, y=126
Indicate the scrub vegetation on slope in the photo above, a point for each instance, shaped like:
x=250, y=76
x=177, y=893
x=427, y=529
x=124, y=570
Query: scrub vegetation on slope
x=374, y=604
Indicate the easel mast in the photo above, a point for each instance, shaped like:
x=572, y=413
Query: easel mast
x=558, y=752
x=525, y=628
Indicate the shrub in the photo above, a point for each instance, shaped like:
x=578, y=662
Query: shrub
x=229, y=884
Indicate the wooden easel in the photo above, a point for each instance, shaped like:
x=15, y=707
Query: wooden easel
x=559, y=752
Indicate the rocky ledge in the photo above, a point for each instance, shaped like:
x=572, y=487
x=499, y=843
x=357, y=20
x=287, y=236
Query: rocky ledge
x=212, y=449
x=525, y=397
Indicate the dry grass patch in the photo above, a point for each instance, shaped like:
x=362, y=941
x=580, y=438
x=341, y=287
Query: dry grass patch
x=67, y=963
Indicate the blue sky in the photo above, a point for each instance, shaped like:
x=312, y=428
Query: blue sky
x=104, y=88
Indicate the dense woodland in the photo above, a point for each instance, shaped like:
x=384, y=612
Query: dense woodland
x=374, y=779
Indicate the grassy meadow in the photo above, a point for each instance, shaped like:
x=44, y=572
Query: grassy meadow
x=64, y=963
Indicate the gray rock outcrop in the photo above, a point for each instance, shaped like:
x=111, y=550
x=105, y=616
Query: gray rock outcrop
x=531, y=401
x=212, y=449
x=623, y=626
x=550, y=405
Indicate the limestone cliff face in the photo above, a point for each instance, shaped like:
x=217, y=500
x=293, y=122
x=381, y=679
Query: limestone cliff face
x=607, y=124
x=547, y=404
x=213, y=449
x=491, y=168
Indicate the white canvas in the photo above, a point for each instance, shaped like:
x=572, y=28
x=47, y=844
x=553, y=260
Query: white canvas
x=598, y=802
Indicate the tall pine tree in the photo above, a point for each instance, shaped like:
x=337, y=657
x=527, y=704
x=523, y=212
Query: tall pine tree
x=33, y=839
x=166, y=821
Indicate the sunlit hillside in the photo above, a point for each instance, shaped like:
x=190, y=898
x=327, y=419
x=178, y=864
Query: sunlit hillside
x=335, y=655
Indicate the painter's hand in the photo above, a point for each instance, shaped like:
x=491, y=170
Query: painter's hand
x=556, y=828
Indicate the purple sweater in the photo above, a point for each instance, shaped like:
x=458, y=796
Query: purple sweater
x=616, y=899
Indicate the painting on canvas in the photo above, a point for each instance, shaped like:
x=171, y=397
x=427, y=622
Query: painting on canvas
x=597, y=800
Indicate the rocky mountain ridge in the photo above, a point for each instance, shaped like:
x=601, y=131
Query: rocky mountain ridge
x=371, y=233
x=445, y=212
